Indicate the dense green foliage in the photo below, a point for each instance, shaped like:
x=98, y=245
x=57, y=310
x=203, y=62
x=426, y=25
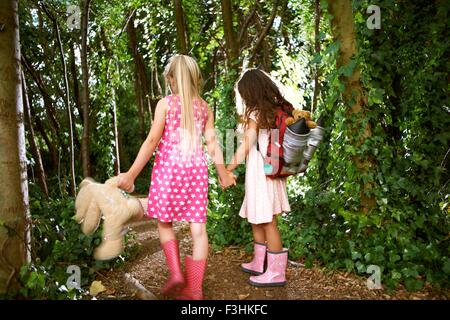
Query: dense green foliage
x=404, y=72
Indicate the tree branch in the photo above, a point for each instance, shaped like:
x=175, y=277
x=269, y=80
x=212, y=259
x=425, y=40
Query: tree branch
x=247, y=21
x=264, y=32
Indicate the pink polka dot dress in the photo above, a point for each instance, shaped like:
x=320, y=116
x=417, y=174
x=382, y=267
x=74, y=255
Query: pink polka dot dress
x=179, y=187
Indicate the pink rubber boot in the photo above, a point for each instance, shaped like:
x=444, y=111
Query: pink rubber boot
x=176, y=278
x=256, y=266
x=195, y=270
x=275, y=275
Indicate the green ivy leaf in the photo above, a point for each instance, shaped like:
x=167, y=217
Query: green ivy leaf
x=413, y=284
x=446, y=267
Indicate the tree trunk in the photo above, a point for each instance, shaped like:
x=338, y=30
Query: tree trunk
x=181, y=27
x=230, y=36
x=159, y=92
x=140, y=83
x=317, y=51
x=116, y=132
x=14, y=235
x=69, y=114
x=32, y=140
x=76, y=94
x=50, y=145
x=48, y=103
x=344, y=31
x=67, y=99
x=76, y=86
x=85, y=153
x=113, y=108
x=158, y=84
x=264, y=33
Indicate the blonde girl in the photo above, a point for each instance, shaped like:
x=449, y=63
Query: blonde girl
x=179, y=183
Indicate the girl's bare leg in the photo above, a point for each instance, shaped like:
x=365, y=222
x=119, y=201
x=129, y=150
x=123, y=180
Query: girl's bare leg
x=273, y=235
x=199, y=240
x=258, y=233
x=166, y=232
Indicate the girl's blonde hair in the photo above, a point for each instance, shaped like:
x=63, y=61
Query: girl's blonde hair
x=186, y=73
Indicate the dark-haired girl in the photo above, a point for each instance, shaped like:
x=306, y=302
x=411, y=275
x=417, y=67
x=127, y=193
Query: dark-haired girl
x=265, y=197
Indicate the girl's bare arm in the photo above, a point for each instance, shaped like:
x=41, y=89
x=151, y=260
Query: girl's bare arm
x=250, y=138
x=215, y=152
x=148, y=147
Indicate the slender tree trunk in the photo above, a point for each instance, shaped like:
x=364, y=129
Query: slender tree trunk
x=214, y=80
x=124, y=159
x=140, y=84
x=109, y=54
x=344, y=31
x=76, y=85
x=49, y=143
x=232, y=45
x=158, y=84
x=159, y=90
x=317, y=51
x=85, y=142
x=32, y=140
x=67, y=99
x=48, y=103
x=14, y=210
x=264, y=33
x=181, y=27
x=69, y=114
x=76, y=94
x=116, y=132
x=244, y=26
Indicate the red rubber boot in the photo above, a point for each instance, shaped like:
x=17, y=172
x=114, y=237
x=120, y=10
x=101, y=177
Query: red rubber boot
x=176, y=278
x=195, y=270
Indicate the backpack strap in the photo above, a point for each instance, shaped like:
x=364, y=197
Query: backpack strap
x=273, y=159
x=278, y=123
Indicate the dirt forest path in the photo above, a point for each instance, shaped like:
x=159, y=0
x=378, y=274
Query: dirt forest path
x=225, y=281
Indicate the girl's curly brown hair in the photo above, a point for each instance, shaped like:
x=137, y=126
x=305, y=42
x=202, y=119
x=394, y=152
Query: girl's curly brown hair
x=262, y=96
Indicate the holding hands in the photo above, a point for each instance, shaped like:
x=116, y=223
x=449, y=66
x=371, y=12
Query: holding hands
x=227, y=179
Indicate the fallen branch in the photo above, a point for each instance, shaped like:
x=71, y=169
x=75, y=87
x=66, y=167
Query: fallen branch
x=138, y=289
x=296, y=264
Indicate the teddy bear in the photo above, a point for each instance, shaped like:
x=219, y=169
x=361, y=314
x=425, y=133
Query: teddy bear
x=96, y=201
x=300, y=114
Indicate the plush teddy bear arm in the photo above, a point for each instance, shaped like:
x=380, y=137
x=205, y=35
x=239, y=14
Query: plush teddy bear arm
x=311, y=124
x=87, y=210
x=87, y=181
x=113, y=182
x=92, y=219
x=82, y=201
x=109, y=249
x=137, y=208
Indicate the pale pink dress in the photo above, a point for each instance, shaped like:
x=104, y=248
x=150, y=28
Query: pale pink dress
x=264, y=197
